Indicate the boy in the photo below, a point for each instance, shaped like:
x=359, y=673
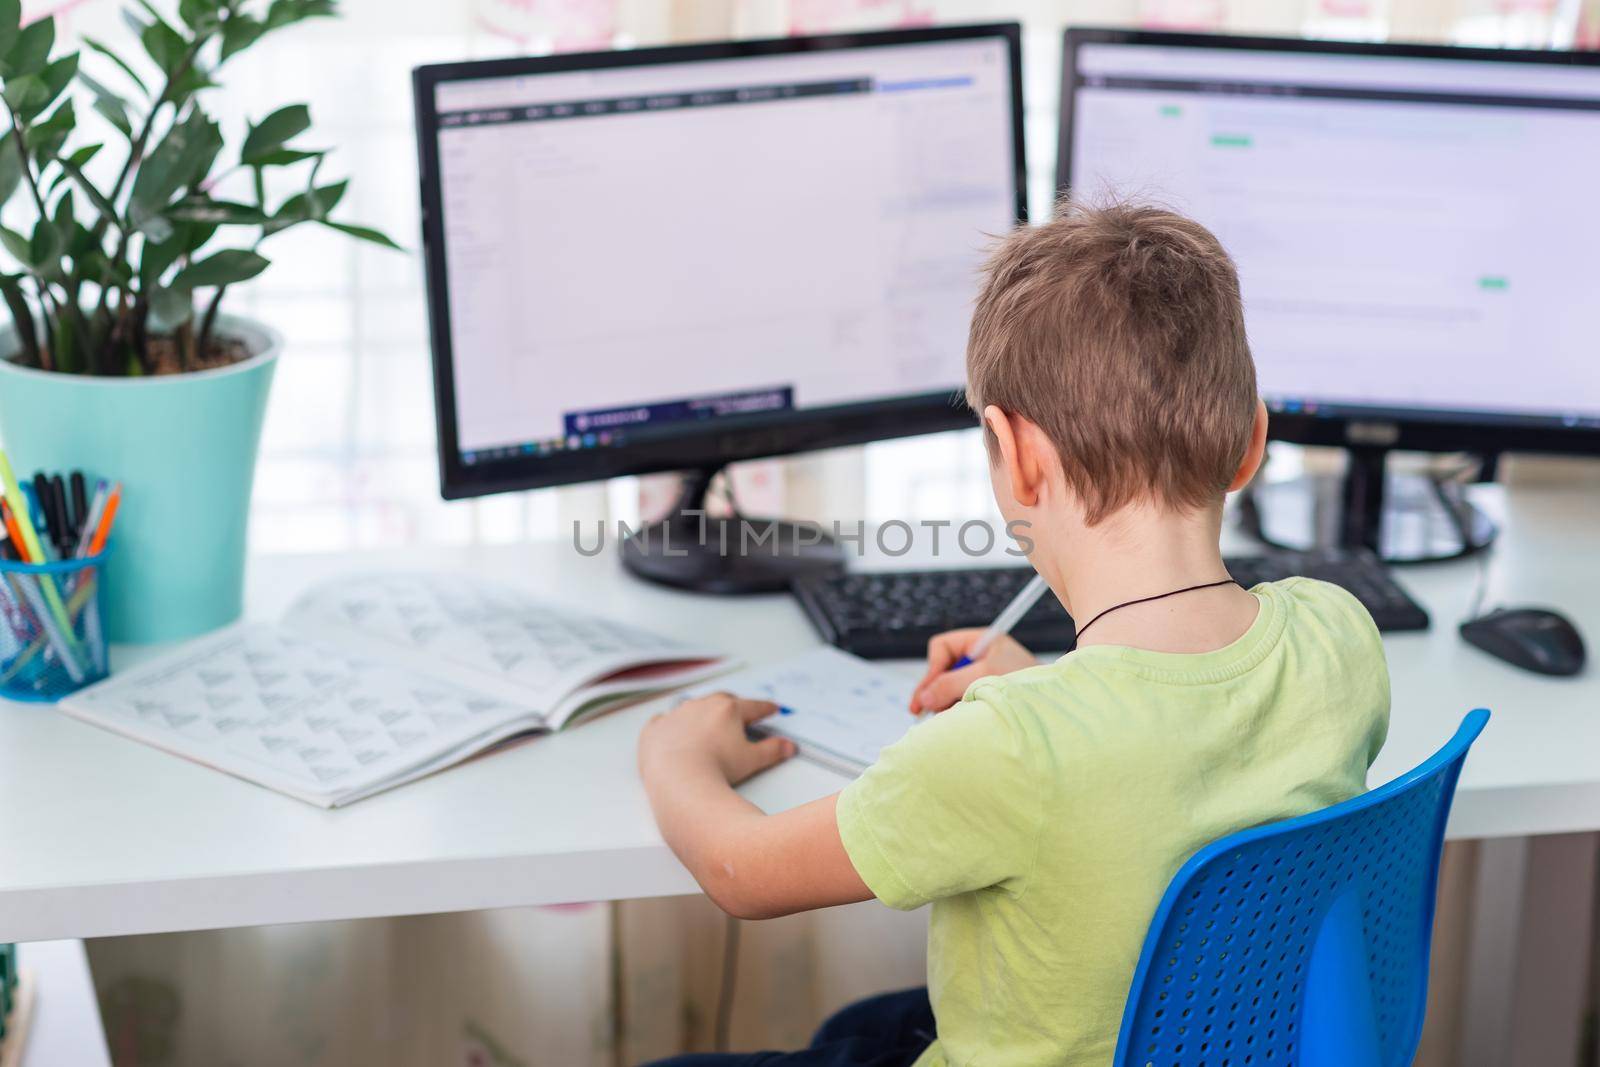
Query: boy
x=1044, y=813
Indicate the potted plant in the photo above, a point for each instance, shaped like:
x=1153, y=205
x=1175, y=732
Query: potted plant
x=119, y=360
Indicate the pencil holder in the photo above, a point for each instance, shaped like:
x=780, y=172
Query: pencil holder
x=51, y=638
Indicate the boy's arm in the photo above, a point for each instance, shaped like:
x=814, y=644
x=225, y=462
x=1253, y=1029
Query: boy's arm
x=753, y=865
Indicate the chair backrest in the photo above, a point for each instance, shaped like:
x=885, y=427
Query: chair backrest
x=1301, y=943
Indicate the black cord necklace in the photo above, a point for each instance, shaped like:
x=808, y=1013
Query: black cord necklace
x=1147, y=599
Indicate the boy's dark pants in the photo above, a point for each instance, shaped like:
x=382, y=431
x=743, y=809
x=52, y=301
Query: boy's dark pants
x=884, y=1031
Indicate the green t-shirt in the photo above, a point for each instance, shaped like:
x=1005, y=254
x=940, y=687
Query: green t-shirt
x=1045, y=815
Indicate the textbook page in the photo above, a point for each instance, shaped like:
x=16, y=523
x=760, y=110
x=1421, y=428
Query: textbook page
x=322, y=723
x=485, y=636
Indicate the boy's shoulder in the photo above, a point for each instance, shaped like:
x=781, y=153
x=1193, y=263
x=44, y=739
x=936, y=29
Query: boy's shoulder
x=1333, y=607
x=1298, y=610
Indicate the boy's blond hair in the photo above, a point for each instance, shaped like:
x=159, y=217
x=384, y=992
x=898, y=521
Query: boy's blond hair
x=1119, y=332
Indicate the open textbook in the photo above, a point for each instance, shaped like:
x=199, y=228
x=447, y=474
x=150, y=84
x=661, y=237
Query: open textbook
x=839, y=710
x=376, y=680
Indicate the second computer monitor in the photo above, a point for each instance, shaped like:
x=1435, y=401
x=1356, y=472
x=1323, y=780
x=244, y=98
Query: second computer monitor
x=1414, y=226
x=677, y=257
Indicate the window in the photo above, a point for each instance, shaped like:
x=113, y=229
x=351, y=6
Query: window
x=348, y=457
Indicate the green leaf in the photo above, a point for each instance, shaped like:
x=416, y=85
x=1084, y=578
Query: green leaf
x=363, y=233
x=221, y=268
x=30, y=94
x=194, y=234
x=10, y=167
x=190, y=82
x=81, y=156
x=58, y=75
x=154, y=227
x=65, y=218
x=286, y=156
x=269, y=135
x=10, y=23
x=164, y=45
x=285, y=12
x=205, y=209
x=82, y=243
x=63, y=346
x=74, y=169
x=44, y=249
x=47, y=137
x=75, y=160
x=171, y=307
x=312, y=204
x=240, y=32
x=30, y=51
x=21, y=317
x=24, y=92
x=17, y=245
x=182, y=159
x=119, y=61
x=108, y=103
x=114, y=113
x=200, y=14
x=155, y=259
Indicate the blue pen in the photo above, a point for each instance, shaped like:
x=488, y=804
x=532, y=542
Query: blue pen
x=36, y=508
x=1005, y=621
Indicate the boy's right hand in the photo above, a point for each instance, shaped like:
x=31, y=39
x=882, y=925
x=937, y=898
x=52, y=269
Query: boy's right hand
x=941, y=687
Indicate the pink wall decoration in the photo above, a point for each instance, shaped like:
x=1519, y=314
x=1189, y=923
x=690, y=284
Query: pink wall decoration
x=554, y=25
x=1183, y=14
x=822, y=16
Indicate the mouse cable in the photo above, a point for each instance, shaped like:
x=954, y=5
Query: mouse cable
x=1482, y=589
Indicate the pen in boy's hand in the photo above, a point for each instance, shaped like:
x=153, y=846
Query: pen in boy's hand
x=939, y=689
x=1020, y=605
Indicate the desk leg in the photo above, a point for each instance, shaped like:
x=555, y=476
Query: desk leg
x=1527, y=981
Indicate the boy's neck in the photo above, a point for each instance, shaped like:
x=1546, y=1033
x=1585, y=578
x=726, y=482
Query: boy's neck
x=1143, y=551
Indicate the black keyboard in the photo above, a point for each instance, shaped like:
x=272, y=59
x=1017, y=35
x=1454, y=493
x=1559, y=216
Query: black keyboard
x=892, y=614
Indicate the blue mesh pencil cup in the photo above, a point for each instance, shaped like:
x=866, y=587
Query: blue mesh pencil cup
x=52, y=641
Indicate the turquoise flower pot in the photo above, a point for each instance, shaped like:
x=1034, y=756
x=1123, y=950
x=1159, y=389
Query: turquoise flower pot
x=184, y=448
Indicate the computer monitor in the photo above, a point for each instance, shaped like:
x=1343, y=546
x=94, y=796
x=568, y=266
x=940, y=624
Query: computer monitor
x=1415, y=228
x=675, y=258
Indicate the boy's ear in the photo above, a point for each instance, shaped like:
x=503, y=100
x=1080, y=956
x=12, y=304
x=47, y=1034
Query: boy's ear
x=1255, y=453
x=1022, y=449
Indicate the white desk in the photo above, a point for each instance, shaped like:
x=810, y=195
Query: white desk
x=103, y=836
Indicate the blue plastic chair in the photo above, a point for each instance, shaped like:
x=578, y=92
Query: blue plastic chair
x=1301, y=943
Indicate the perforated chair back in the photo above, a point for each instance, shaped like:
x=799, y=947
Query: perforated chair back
x=1301, y=943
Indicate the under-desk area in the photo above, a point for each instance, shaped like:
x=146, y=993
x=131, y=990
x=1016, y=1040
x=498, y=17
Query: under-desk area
x=703, y=535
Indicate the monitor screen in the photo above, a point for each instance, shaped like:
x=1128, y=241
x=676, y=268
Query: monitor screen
x=635, y=254
x=1416, y=234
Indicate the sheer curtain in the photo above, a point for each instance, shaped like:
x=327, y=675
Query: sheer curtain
x=348, y=463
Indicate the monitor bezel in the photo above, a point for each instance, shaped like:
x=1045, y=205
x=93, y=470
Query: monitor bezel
x=1413, y=429
x=725, y=440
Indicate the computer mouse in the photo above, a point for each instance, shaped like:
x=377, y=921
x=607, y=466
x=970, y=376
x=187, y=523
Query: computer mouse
x=1534, y=639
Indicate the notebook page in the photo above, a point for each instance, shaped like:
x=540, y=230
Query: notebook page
x=300, y=716
x=841, y=710
x=489, y=637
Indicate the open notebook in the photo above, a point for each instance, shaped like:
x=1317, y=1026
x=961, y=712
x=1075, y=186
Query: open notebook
x=839, y=710
x=377, y=680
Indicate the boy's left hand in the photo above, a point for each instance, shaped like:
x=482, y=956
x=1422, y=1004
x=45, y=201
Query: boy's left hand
x=712, y=728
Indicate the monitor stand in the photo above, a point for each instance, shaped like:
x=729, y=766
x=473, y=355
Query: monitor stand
x=1404, y=518
x=709, y=554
